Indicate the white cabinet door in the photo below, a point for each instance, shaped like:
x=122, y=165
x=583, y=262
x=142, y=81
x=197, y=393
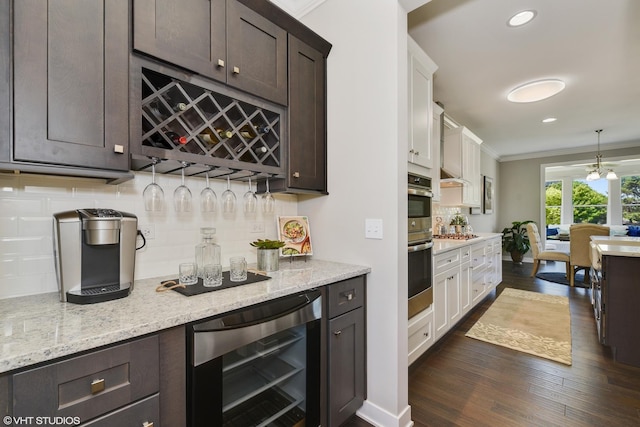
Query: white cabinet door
x=462, y=156
x=420, y=333
x=440, y=306
x=435, y=138
x=420, y=144
x=454, y=292
x=465, y=287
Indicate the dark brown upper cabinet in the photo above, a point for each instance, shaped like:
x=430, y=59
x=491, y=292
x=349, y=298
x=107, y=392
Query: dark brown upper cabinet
x=307, y=156
x=220, y=39
x=70, y=85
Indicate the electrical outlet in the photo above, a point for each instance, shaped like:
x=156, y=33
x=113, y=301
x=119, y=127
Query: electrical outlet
x=373, y=228
x=148, y=231
x=256, y=227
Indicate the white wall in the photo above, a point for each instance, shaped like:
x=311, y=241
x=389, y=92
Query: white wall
x=367, y=134
x=27, y=203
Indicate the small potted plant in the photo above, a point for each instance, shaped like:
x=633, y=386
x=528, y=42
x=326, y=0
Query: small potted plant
x=515, y=240
x=458, y=221
x=268, y=253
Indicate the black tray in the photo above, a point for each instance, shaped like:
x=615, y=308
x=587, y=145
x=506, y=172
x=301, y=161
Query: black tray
x=199, y=288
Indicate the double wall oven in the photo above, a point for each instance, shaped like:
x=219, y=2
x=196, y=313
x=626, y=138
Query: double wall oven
x=420, y=243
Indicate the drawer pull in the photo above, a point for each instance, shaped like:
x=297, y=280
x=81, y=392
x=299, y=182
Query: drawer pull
x=147, y=424
x=220, y=63
x=336, y=333
x=348, y=295
x=97, y=386
x=236, y=70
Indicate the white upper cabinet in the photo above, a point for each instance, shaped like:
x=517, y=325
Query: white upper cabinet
x=420, y=150
x=461, y=158
x=435, y=138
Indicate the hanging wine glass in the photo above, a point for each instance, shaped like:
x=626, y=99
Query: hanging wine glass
x=153, y=194
x=182, y=195
x=268, y=202
x=228, y=199
x=208, y=198
x=250, y=200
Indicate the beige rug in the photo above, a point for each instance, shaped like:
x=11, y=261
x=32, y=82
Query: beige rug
x=530, y=322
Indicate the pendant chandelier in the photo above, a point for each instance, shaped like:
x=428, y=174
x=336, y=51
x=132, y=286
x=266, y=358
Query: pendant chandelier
x=598, y=172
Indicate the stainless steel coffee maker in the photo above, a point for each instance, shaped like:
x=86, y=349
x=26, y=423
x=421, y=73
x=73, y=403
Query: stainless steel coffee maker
x=94, y=251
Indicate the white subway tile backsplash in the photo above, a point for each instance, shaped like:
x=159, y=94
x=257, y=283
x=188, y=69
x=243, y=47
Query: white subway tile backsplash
x=28, y=202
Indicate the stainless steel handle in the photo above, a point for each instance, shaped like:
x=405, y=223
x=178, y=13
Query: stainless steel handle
x=419, y=192
x=220, y=63
x=236, y=70
x=118, y=149
x=421, y=247
x=147, y=424
x=336, y=333
x=296, y=174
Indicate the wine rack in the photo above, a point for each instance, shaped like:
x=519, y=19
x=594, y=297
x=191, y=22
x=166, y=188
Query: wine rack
x=191, y=122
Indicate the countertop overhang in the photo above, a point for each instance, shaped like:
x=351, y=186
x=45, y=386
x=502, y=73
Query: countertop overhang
x=627, y=246
x=444, y=245
x=40, y=328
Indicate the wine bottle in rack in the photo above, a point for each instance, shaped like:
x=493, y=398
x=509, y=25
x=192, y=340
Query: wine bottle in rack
x=177, y=139
x=262, y=129
x=208, y=136
x=224, y=134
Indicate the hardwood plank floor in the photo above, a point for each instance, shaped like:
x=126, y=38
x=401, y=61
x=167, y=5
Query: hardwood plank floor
x=465, y=382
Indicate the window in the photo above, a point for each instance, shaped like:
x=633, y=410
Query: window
x=630, y=195
x=590, y=200
x=553, y=202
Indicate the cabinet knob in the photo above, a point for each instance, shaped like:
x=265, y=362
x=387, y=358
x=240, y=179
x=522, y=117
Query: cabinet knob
x=412, y=151
x=236, y=70
x=147, y=424
x=426, y=334
x=417, y=153
x=336, y=333
x=118, y=148
x=296, y=174
x=220, y=63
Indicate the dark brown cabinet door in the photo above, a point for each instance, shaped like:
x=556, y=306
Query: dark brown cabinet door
x=223, y=40
x=346, y=365
x=307, y=118
x=187, y=33
x=71, y=82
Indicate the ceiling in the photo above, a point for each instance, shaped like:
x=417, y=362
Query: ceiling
x=593, y=45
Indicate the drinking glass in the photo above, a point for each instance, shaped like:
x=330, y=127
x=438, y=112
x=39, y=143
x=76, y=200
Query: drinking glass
x=250, y=200
x=238, y=269
x=182, y=195
x=268, y=202
x=153, y=194
x=212, y=275
x=208, y=198
x=228, y=199
x=188, y=273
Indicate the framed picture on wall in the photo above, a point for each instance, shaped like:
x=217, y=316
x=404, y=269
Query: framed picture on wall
x=487, y=199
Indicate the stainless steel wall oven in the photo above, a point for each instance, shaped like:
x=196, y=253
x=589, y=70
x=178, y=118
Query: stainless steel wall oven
x=420, y=243
x=259, y=366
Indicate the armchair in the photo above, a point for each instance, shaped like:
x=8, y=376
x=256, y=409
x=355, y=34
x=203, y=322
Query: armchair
x=579, y=249
x=541, y=255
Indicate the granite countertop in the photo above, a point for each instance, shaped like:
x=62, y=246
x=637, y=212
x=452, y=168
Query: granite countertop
x=628, y=246
x=444, y=245
x=40, y=328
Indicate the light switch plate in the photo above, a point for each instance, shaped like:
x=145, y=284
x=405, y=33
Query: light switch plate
x=373, y=228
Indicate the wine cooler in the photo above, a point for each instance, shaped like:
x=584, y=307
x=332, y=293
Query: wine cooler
x=257, y=367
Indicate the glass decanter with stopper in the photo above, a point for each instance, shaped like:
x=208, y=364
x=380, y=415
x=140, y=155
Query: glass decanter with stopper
x=207, y=252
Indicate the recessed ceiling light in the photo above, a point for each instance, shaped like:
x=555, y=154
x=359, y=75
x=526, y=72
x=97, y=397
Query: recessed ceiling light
x=536, y=91
x=549, y=120
x=521, y=18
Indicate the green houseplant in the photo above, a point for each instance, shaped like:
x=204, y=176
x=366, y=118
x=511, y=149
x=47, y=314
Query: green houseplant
x=515, y=240
x=268, y=253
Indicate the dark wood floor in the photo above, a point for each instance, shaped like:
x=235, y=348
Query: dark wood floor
x=464, y=382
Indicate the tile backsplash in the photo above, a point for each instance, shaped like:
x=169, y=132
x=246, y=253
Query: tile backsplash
x=27, y=203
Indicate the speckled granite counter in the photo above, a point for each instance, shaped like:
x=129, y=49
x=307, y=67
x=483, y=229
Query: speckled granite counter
x=444, y=245
x=40, y=328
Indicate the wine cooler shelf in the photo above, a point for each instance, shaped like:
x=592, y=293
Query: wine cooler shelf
x=188, y=123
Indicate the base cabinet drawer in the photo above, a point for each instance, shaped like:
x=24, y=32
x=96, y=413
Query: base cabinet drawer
x=90, y=385
x=145, y=413
x=420, y=333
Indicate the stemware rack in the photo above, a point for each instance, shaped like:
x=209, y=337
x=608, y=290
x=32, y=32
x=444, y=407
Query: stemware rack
x=210, y=128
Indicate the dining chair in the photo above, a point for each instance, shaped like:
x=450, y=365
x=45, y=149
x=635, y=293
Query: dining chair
x=539, y=254
x=579, y=248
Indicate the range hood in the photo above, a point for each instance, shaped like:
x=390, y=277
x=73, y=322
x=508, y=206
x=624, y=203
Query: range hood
x=447, y=179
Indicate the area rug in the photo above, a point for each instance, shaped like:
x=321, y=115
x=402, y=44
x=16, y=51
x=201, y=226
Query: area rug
x=559, y=277
x=530, y=322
